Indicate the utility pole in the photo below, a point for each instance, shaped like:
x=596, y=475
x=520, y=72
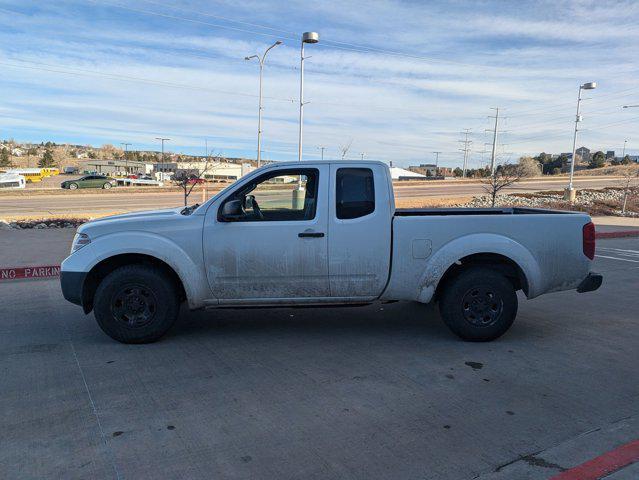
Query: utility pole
x=467, y=143
x=492, y=156
x=322, y=149
x=162, y=140
x=362, y=154
x=623, y=155
x=126, y=157
x=437, y=162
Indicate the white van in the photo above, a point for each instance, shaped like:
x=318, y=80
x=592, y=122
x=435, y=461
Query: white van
x=12, y=180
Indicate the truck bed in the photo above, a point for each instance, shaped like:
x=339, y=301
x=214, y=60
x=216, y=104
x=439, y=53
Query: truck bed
x=424, y=212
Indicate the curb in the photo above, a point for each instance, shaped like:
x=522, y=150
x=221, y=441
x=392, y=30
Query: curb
x=620, y=234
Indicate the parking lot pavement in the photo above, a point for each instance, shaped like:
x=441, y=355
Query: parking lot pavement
x=383, y=391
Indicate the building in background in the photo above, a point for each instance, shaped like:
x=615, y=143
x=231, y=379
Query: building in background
x=114, y=167
x=403, y=174
x=584, y=154
x=212, y=171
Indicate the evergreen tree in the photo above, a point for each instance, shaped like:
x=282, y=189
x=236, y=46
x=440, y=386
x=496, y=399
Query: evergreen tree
x=47, y=160
x=5, y=160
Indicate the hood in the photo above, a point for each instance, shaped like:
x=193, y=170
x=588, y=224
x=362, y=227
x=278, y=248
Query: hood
x=139, y=220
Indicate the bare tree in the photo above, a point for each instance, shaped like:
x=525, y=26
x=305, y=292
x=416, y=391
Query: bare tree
x=345, y=148
x=627, y=182
x=503, y=176
x=187, y=179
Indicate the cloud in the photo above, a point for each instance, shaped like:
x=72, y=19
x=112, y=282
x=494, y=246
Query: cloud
x=74, y=70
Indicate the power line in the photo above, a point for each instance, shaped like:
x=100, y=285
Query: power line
x=332, y=43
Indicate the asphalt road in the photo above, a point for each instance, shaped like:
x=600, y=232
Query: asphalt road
x=376, y=392
x=98, y=202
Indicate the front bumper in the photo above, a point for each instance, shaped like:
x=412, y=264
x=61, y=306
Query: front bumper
x=590, y=283
x=72, y=283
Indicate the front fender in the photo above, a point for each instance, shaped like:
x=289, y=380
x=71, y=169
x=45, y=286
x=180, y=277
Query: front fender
x=188, y=269
x=467, y=245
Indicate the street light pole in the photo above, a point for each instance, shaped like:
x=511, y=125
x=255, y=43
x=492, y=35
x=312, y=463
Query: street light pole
x=126, y=160
x=260, y=108
x=307, y=37
x=162, y=140
x=570, y=193
x=322, y=149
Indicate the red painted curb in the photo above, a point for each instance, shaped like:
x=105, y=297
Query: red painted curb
x=604, y=464
x=620, y=234
x=17, y=273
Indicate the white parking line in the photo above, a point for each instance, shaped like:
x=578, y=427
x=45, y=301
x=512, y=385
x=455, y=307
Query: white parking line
x=616, y=258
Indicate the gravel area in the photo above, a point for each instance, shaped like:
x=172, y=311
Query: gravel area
x=596, y=202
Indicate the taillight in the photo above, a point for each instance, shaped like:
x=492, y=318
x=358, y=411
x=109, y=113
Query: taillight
x=589, y=240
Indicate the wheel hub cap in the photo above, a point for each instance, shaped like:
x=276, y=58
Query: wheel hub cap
x=481, y=306
x=134, y=305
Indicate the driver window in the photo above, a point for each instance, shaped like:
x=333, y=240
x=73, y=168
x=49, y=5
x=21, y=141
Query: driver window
x=284, y=196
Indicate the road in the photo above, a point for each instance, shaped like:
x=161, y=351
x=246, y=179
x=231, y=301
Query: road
x=377, y=392
x=98, y=202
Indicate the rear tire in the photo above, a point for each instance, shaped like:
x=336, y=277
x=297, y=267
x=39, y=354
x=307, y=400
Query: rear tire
x=136, y=304
x=479, y=304
x=106, y=186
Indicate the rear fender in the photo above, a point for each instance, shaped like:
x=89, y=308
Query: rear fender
x=462, y=247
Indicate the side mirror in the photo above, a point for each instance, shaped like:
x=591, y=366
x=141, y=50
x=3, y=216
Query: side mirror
x=232, y=210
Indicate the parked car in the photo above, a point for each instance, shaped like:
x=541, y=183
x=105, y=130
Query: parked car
x=331, y=237
x=90, y=181
x=196, y=181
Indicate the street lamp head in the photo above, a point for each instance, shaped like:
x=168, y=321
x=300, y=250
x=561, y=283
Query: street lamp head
x=589, y=86
x=310, y=37
x=251, y=57
x=279, y=42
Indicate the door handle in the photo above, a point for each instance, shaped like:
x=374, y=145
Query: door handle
x=310, y=234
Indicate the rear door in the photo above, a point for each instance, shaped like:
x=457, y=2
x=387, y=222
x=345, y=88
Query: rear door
x=359, y=230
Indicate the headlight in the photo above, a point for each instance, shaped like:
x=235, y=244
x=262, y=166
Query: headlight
x=79, y=241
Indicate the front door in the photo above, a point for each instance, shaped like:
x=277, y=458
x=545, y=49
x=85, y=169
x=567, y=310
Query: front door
x=276, y=247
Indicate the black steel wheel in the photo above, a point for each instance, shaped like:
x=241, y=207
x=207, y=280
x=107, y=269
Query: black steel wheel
x=482, y=306
x=479, y=304
x=135, y=305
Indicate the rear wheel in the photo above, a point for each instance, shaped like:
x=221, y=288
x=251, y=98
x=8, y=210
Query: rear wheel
x=136, y=304
x=106, y=186
x=479, y=304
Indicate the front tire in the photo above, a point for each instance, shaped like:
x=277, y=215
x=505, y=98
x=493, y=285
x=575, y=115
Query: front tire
x=73, y=186
x=136, y=304
x=479, y=304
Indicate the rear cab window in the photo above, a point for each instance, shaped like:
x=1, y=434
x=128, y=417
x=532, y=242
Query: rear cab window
x=355, y=193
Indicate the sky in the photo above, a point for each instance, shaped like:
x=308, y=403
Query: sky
x=395, y=80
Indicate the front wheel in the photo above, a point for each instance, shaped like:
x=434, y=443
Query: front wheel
x=136, y=304
x=73, y=186
x=479, y=304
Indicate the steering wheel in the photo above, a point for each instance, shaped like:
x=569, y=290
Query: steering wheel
x=256, y=208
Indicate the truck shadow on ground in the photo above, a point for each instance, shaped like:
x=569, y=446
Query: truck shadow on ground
x=399, y=319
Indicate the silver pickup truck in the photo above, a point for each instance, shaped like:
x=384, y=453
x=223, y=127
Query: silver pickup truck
x=323, y=233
